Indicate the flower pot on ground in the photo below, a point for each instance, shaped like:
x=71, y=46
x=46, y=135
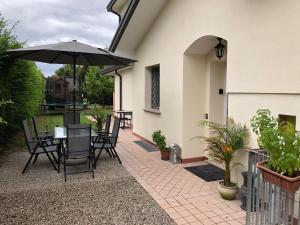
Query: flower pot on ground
x=165, y=155
x=226, y=139
x=160, y=140
x=228, y=192
x=282, y=144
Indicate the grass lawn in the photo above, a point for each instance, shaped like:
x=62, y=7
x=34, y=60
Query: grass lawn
x=50, y=120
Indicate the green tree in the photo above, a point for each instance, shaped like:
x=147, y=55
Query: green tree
x=98, y=86
x=20, y=81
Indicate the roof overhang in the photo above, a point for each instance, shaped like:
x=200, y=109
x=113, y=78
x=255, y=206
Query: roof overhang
x=107, y=71
x=135, y=23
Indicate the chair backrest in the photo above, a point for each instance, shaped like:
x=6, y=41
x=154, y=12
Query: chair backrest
x=107, y=123
x=115, y=131
x=78, y=140
x=69, y=118
x=27, y=136
x=34, y=121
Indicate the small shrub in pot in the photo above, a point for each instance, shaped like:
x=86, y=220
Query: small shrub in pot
x=160, y=140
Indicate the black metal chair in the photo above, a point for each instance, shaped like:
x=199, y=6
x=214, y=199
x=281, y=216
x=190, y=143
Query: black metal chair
x=109, y=142
x=69, y=118
x=37, y=147
x=78, y=149
x=44, y=135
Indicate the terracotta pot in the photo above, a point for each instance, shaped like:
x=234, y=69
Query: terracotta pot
x=288, y=184
x=165, y=155
x=227, y=193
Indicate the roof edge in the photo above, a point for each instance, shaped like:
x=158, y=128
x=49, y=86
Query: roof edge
x=110, y=5
x=109, y=8
x=123, y=23
x=106, y=71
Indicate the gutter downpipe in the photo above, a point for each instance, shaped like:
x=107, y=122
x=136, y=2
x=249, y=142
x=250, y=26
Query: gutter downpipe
x=121, y=91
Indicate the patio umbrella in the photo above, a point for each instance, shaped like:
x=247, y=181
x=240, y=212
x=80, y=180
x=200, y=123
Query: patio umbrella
x=73, y=52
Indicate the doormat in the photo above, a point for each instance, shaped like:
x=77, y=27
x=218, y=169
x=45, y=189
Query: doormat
x=207, y=172
x=146, y=146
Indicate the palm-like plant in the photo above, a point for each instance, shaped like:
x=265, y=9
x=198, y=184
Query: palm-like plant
x=98, y=115
x=225, y=140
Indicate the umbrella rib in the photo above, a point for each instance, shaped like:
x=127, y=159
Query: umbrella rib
x=55, y=57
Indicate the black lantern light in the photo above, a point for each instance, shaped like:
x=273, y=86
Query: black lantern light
x=220, y=49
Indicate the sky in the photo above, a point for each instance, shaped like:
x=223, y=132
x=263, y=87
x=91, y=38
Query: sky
x=50, y=21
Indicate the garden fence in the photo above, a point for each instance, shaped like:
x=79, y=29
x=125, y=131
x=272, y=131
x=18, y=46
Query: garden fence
x=268, y=204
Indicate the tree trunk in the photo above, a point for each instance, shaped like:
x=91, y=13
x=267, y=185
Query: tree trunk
x=227, y=179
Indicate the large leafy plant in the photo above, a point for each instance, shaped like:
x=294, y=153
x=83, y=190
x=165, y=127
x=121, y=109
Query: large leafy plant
x=225, y=140
x=281, y=142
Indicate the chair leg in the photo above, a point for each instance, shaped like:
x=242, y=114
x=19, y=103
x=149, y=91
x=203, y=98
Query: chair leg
x=98, y=156
x=35, y=158
x=92, y=159
x=28, y=162
x=112, y=153
x=58, y=163
x=52, y=163
x=108, y=152
x=65, y=171
x=54, y=157
x=115, y=152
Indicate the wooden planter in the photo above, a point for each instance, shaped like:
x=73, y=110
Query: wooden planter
x=286, y=183
x=165, y=155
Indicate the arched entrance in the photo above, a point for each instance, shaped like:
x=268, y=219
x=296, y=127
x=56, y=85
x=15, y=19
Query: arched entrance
x=204, y=91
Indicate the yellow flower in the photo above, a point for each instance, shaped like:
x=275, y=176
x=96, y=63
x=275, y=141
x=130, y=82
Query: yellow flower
x=228, y=149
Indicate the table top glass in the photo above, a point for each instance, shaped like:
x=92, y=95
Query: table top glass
x=61, y=133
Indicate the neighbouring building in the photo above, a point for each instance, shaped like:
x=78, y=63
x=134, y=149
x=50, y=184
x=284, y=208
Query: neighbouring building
x=178, y=80
x=59, y=90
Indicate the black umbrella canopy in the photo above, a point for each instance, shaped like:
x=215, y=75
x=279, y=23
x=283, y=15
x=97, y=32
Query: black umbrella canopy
x=74, y=53
x=65, y=52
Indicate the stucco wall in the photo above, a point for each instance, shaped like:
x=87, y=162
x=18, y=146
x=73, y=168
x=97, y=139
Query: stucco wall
x=195, y=100
x=127, y=90
x=262, y=37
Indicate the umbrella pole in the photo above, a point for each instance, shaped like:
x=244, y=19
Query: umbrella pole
x=74, y=97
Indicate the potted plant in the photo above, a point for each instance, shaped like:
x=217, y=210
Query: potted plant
x=226, y=139
x=282, y=144
x=98, y=115
x=160, y=140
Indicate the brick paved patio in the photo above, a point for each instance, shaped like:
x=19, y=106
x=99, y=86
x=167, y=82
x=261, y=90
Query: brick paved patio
x=185, y=197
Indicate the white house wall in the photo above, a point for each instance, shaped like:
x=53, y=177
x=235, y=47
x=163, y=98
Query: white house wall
x=127, y=90
x=263, y=56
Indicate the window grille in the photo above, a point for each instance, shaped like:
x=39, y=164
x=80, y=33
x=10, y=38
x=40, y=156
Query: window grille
x=155, y=88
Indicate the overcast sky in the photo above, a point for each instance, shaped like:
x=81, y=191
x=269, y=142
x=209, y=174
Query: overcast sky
x=51, y=21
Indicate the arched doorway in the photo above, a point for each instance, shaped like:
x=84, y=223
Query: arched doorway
x=204, y=91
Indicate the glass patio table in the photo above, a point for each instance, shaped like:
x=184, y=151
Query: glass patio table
x=60, y=134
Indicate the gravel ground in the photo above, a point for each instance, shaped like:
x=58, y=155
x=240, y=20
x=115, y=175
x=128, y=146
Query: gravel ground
x=41, y=196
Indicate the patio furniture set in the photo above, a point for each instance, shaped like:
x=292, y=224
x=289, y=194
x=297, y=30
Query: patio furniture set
x=72, y=145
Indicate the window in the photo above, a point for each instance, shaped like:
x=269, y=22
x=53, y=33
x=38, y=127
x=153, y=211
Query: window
x=155, y=88
x=287, y=119
x=152, y=89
